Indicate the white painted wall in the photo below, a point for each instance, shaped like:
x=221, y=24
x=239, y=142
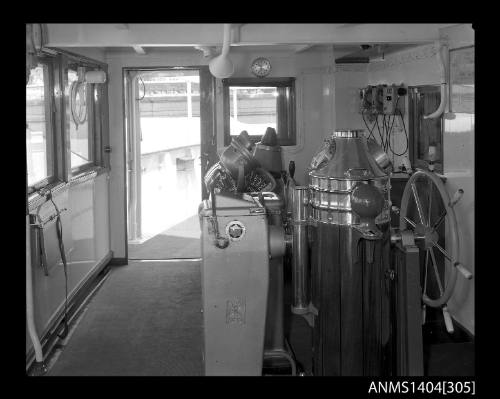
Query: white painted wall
x=419, y=66
x=349, y=78
x=315, y=109
x=459, y=155
x=413, y=67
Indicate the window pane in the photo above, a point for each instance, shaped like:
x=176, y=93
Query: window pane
x=81, y=150
x=38, y=133
x=430, y=134
x=253, y=109
x=169, y=95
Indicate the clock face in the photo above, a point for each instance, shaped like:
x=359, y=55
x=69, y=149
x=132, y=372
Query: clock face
x=261, y=67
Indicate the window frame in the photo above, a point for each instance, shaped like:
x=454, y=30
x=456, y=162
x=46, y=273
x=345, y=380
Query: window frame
x=58, y=102
x=73, y=62
x=50, y=123
x=288, y=139
x=416, y=129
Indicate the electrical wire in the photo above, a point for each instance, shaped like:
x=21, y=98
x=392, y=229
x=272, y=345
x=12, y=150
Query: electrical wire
x=379, y=133
x=366, y=124
x=59, y=231
x=406, y=136
x=391, y=129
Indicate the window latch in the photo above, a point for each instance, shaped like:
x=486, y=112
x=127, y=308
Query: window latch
x=107, y=149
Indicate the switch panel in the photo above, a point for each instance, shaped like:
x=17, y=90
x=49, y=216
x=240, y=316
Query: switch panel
x=391, y=99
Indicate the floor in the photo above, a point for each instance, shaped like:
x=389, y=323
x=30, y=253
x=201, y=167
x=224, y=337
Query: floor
x=145, y=321
x=179, y=241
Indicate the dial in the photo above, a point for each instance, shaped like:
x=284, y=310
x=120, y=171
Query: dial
x=261, y=67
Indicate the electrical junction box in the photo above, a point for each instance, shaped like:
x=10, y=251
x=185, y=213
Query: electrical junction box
x=371, y=99
x=391, y=99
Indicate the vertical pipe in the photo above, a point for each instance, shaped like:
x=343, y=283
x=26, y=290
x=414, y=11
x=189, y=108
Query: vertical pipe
x=300, y=257
x=30, y=313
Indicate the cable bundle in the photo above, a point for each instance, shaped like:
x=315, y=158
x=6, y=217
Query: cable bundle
x=386, y=130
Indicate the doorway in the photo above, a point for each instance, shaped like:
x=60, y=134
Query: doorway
x=170, y=144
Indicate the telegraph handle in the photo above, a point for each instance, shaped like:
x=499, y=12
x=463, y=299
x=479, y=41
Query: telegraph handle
x=291, y=169
x=456, y=197
x=447, y=320
x=461, y=268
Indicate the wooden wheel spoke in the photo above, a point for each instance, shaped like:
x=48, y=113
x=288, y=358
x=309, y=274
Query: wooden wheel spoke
x=430, y=203
x=439, y=221
x=410, y=222
x=440, y=248
x=436, y=273
x=419, y=205
x=426, y=268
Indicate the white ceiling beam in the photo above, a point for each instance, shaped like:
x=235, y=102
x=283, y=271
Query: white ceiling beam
x=139, y=50
x=303, y=47
x=208, y=52
x=236, y=33
x=177, y=35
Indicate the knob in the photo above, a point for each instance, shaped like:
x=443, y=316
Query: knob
x=461, y=268
x=456, y=197
x=447, y=320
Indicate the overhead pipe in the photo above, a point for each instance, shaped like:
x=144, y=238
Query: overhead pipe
x=222, y=66
x=442, y=60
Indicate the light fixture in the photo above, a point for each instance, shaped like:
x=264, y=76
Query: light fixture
x=95, y=77
x=222, y=66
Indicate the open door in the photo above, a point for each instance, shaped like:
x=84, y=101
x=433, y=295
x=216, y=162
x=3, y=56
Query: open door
x=170, y=145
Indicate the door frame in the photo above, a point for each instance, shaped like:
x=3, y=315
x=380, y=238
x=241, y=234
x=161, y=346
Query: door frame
x=208, y=136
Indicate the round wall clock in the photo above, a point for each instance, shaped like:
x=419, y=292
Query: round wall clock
x=261, y=67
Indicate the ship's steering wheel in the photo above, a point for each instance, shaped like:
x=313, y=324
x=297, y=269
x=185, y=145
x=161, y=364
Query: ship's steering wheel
x=426, y=235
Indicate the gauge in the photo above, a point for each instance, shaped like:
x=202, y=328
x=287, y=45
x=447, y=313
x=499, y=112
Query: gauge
x=261, y=67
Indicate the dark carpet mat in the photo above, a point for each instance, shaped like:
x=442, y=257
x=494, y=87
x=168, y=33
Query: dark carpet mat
x=146, y=320
x=450, y=359
x=179, y=241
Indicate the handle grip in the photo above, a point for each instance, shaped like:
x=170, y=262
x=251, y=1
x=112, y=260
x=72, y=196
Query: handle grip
x=456, y=197
x=447, y=320
x=461, y=268
x=423, y=313
x=291, y=168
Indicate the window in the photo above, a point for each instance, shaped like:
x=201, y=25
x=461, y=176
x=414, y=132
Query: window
x=255, y=104
x=54, y=118
x=81, y=98
x=39, y=133
x=426, y=135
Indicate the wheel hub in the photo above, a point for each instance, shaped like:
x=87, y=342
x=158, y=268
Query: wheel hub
x=425, y=236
